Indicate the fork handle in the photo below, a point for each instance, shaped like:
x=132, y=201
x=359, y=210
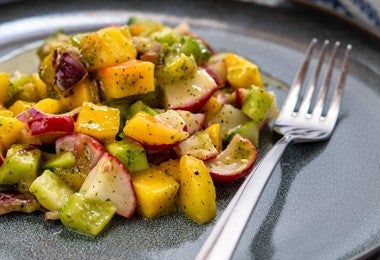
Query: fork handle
x=224, y=237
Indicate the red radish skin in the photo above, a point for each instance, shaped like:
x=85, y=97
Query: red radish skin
x=240, y=95
x=192, y=94
x=212, y=73
x=82, y=146
x=110, y=181
x=194, y=121
x=49, y=129
x=198, y=145
x=231, y=164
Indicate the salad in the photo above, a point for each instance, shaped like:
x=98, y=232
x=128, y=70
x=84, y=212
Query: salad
x=136, y=119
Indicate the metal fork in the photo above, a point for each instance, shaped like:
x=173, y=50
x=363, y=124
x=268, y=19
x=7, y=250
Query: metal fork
x=303, y=118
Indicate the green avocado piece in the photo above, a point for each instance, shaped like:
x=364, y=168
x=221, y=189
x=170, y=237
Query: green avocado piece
x=50, y=190
x=130, y=153
x=20, y=166
x=86, y=215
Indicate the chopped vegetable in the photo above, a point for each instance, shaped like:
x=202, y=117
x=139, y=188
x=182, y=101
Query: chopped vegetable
x=156, y=193
x=140, y=118
x=51, y=191
x=197, y=197
x=101, y=122
x=86, y=215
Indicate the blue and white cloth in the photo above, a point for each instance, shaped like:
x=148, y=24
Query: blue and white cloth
x=366, y=11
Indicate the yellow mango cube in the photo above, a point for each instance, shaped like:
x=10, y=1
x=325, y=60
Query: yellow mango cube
x=4, y=82
x=197, y=196
x=20, y=106
x=101, y=122
x=40, y=85
x=148, y=130
x=171, y=167
x=84, y=91
x=211, y=107
x=144, y=28
x=125, y=30
x=5, y=112
x=156, y=193
x=106, y=47
x=10, y=131
x=127, y=79
x=49, y=105
x=241, y=73
x=214, y=133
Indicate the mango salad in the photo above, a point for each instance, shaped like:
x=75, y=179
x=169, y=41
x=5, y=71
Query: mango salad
x=137, y=119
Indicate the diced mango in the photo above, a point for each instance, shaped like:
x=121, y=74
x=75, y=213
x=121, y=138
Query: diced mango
x=127, y=79
x=125, y=31
x=106, y=47
x=214, y=133
x=46, y=69
x=138, y=27
x=101, y=122
x=211, y=107
x=85, y=91
x=10, y=131
x=20, y=106
x=242, y=73
x=49, y=105
x=40, y=85
x=4, y=82
x=197, y=196
x=171, y=167
x=5, y=112
x=156, y=193
x=148, y=130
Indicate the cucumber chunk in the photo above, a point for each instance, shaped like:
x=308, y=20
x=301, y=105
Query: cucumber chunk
x=86, y=215
x=65, y=160
x=130, y=153
x=249, y=130
x=51, y=191
x=140, y=106
x=257, y=103
x=20, y=166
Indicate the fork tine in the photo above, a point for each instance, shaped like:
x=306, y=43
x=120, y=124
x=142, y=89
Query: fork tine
x=333, y=111
x=293, y=95
x=318, y=109
x=306, y=103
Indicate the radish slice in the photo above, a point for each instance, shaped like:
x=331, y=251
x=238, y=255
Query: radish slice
x=234, y=162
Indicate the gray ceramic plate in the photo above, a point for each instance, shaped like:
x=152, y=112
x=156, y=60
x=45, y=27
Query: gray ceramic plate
x=323, y=201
